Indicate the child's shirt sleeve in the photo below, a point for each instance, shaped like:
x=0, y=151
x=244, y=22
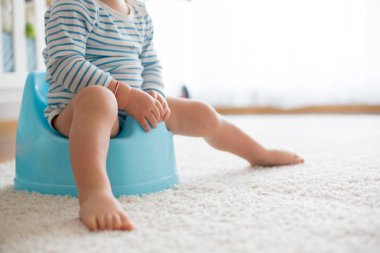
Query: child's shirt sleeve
x=151, y=74
x=67, y=26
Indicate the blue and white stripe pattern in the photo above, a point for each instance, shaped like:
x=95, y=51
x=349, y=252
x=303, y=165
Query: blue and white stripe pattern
x=88, y=42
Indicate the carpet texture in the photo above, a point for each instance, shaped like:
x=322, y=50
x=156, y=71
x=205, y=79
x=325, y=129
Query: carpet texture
x=329, y=204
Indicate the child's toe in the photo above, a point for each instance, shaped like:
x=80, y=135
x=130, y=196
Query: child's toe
x=90, y=223
x=125, y=224
x=116, y=221
x=101, y=222
x=109, y=221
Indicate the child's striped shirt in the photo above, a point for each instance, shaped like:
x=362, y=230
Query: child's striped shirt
x=87, y=42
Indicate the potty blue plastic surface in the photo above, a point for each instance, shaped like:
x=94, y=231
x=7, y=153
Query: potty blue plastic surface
x=137, y=163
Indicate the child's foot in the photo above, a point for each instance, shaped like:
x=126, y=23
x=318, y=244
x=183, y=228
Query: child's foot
x=275, y=157
x=100, y=210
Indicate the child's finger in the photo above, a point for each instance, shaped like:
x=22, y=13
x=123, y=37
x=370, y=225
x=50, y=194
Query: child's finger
x=167, y=114
x=156, y=113
x=144, y=123
x=161, y=99
x=164, y=105
x=152, y=120
x=153, y=93
x=160, y=110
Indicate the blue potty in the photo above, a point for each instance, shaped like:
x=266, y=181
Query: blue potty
x=138, y=162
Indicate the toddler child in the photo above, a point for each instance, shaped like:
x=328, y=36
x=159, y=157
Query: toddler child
x=101, y=64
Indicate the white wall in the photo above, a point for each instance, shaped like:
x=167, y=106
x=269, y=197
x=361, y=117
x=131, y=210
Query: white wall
x=274, y=52
x=11, y=83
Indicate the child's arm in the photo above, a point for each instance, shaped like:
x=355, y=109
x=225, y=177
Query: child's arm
x=66, y=31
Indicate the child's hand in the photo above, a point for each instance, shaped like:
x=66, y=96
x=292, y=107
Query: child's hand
x=143, y=108
x=166, y=110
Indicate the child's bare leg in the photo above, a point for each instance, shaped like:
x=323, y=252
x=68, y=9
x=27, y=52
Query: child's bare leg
x=194, y=118
x=89, y=121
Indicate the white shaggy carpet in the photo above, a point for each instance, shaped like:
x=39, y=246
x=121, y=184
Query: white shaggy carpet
x=329, y=204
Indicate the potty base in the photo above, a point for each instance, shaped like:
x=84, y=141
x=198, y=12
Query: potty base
x=138, y=162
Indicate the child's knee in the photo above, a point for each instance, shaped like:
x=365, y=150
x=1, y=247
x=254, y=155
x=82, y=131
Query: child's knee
x=95, y=98
x=210, y=119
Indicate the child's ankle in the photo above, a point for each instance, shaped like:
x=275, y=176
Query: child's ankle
x=87, y=193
